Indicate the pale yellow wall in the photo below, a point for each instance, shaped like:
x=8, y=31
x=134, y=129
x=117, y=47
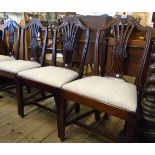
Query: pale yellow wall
x=145, y=17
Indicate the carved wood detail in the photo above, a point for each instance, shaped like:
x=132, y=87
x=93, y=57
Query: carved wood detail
x=69, y=32
x=37, y=51
x=147, y=121
x=10, y=39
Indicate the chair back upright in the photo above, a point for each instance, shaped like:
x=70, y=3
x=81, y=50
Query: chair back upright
x=34, y=41
x=121, y=29
x=11, y=38
x=70, y=31
x=93, y=22
x=51, y=27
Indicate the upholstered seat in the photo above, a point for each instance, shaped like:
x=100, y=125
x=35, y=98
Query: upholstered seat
x=112, y=91
x=50, y=75
x=17, y=65
x=6, y=58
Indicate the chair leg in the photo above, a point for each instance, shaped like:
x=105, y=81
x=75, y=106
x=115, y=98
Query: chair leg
x=61, y=115
x=20, y=102
x=86, y=69
x=28, y=89
x=43, y=94
x=97, y=115
x=130, y=128
x=77, y=107
x=91, y=66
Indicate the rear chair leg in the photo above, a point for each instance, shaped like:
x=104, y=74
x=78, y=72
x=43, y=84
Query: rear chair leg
x=77, y=107
x=130, y=128
x=43, y=94
x=97, y=115
x=28, y=89
x=20, y=102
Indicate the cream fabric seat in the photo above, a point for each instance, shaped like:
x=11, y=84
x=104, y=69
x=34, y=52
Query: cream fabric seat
x=17, y=65
x=108, y=90
x=50, y=75
x=6, y=58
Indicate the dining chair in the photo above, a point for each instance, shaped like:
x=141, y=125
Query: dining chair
x=51, y=78
x=31, y=55
x=109, y=94
x=10, y=40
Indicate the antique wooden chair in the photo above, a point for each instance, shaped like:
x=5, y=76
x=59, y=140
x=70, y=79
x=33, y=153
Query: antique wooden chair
x=10, y=40
x=32, y=56
x=51, y=78
x=109, y=94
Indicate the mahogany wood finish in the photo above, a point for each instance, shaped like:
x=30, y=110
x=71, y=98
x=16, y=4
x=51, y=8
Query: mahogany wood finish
x=2, y=51
x=134, y=50
x=34, y=27
x=93, y=22
x=70, y=30
x=147, y=114
x=121, y=29
x=134, y=47
x=50, y=25
x=10, y=38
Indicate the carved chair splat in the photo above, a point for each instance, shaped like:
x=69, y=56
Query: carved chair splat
x=9, y=69
x=10, y=40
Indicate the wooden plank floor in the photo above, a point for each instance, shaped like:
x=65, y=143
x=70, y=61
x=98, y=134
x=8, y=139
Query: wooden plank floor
x=40, y=126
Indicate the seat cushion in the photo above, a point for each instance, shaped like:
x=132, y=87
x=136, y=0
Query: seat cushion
x=50, y=75
x=6, y=58
x=17, y=65
x=106, y=90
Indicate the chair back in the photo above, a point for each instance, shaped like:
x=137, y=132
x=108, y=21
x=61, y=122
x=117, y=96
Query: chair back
x=11, y=38
x=121, y=29
x=93, y=22
x=34, y=41
x=70, y=32
x=52, y=25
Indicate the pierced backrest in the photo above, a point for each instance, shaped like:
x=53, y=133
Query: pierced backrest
x=121, y=29
x=70, y=32
x=11, y=38
x=52, y=25
x=36, y=39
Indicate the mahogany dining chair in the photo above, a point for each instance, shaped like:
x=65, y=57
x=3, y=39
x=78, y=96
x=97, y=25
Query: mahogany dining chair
x=110, y=93
x=51, y=78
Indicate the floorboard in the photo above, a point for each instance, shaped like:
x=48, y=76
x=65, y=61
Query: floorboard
x=39, y=126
